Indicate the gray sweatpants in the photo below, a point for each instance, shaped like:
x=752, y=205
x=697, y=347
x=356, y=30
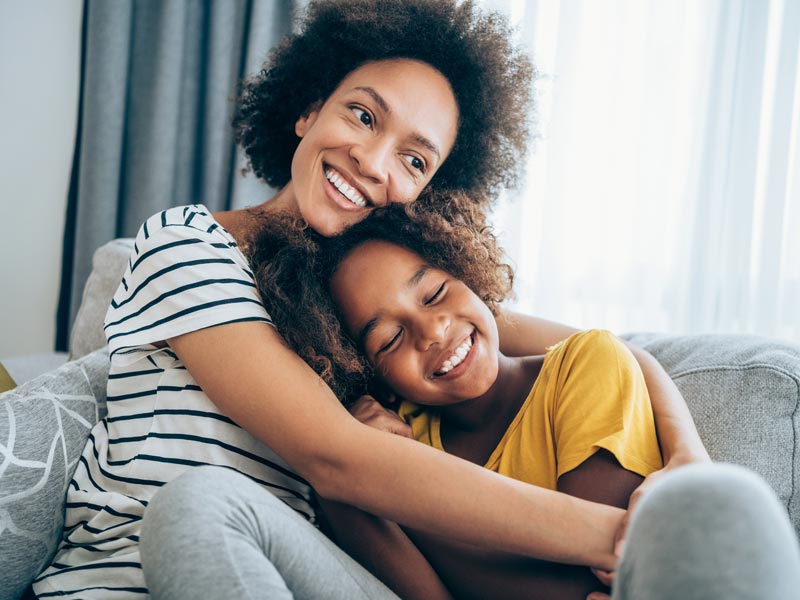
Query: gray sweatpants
x=704, y=532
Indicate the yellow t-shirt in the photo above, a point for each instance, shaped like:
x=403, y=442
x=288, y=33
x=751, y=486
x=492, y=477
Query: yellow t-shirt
x=590, y=394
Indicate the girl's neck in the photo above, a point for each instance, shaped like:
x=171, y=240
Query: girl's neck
x=472, y=430
x=501, y=402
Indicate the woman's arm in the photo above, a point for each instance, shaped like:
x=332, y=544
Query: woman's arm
x=474, y=573
x=680, y=443
x=253, y=377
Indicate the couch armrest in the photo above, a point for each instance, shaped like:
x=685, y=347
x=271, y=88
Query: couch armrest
x=744, y=394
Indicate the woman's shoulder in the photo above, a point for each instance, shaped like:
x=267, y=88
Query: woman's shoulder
x=192, y=220
x=185, y=273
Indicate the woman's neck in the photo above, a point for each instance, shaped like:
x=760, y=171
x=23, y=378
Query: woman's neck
x=242, y=224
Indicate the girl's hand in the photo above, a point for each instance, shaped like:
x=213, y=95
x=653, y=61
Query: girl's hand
x=369, y=411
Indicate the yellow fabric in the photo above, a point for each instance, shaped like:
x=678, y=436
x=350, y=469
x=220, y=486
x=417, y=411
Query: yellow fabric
x=6, y=382
x=590, y=394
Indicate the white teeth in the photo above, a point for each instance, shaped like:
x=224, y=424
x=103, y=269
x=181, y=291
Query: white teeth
x=459, y=354
x=347, y=191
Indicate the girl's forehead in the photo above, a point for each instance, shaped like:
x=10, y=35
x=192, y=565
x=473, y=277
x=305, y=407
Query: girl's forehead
x=374, y=256
x=374, y=271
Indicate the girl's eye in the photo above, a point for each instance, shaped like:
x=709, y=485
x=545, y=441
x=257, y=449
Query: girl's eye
x=390, y=343
x=415, y=162
x=362, y=116
x=435, y=296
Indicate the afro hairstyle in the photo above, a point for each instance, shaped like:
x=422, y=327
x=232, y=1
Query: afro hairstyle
x=490, y=77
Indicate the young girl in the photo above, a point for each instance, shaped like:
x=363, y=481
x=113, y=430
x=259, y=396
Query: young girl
x=419, y=307
x=370, y=103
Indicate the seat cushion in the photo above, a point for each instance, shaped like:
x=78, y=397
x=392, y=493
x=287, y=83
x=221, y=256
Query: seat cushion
x=44, y=424
x=744, y=394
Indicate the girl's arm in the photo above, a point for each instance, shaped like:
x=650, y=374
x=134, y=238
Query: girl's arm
x=384, y=549
x=680, y=443
x=253, y=377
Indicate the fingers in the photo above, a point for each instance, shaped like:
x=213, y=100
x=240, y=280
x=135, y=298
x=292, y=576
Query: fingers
x=368, y=411
x=605, y=577
x=636, y=496
x=598, y=596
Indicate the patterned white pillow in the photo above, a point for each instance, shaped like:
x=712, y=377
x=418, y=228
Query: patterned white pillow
x=44, y=424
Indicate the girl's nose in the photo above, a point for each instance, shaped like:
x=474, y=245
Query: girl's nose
x=432, y=329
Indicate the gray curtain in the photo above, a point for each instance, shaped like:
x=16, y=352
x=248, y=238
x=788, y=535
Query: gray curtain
x=158, y=82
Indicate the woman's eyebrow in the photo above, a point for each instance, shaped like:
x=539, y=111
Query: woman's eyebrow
x=416, y=136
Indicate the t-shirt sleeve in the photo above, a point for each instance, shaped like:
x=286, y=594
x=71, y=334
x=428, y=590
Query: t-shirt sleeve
x=602, y=402
x=180, y=279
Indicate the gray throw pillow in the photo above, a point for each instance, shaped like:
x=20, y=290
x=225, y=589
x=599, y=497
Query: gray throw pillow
x=744, y=395
x=44, y=424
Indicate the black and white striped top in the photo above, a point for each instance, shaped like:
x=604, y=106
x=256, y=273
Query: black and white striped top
x=186, y=273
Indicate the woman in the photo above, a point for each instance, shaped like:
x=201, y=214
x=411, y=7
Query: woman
x=371, y=103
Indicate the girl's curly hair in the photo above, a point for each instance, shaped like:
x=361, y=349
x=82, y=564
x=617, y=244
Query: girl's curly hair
x=293, y=267
x=491, y=79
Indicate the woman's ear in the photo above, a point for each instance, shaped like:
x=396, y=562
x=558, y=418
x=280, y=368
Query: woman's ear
x=307, y=119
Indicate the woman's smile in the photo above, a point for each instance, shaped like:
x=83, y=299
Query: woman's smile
x=380, y=137
x=344, y=191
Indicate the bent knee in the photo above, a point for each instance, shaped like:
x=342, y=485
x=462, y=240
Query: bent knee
x=713, y=491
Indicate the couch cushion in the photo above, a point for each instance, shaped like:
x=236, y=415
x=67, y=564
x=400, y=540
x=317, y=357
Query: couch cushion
x=108, y=267
x=744, y=394
x=44, y=424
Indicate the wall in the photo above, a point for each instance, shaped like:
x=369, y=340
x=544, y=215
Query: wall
x=40, y=45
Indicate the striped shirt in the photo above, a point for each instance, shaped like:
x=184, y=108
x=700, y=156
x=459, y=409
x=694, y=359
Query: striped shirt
x=186, y=273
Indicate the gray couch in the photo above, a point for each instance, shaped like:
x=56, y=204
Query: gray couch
x=743, y=391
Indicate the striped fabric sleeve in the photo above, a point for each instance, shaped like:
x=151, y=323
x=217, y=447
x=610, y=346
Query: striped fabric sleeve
x=180, y=279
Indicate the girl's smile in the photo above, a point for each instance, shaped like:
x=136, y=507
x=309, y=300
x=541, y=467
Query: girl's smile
x=427, y=334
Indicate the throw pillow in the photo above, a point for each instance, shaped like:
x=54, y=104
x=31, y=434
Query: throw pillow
x=44, y=424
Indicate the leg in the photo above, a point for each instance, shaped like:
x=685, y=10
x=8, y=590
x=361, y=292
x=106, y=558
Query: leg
x=213, y=533
x=710, y=531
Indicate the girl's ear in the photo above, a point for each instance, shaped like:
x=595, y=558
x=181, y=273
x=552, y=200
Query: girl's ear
x=382, y=393
x=307, y=119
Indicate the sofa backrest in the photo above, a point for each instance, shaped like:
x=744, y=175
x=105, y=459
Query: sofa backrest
x=108, y=267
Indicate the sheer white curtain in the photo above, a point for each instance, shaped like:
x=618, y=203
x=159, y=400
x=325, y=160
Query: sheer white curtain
x=664, y=191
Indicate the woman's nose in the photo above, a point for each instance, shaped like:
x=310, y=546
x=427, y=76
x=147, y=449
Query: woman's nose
x=372, y=159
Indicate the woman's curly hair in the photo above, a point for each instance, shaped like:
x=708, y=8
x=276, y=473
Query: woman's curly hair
x=293, y=267
x=491, y=79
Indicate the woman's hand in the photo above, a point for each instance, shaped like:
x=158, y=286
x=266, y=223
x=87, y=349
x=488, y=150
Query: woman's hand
x=607, y=577
x=369, y=411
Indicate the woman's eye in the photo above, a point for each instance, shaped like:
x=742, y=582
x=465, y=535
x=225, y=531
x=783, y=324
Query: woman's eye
x=415, y=162
x=390, y=343
x=435, y=296
x=362, y=116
